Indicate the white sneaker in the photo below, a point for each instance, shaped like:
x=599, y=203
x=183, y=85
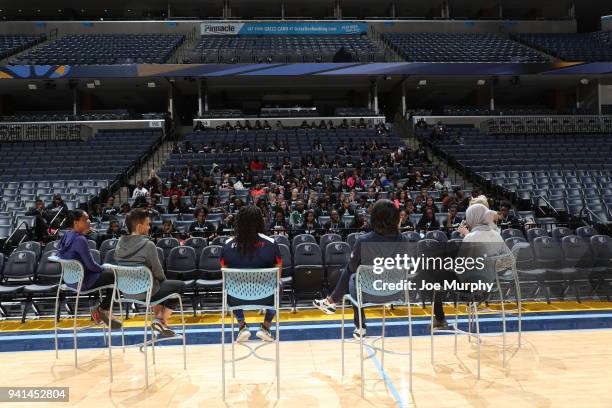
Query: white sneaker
x=324, y=306
x=244, y=334
x=359, y=333
x=264, y=334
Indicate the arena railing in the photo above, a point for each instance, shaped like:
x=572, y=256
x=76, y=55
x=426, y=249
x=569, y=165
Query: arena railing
x=526, y=124
x=288, y=121
x=68, y=130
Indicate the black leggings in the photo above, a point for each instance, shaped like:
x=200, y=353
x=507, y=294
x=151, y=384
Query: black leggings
x=436, y=277
x=168, y=287
x=107, y=277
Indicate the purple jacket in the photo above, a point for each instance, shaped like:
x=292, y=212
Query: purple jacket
x=74, y=246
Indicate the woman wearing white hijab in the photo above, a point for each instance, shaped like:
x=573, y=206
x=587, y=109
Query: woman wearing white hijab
x=484, y=239
x=481, y=228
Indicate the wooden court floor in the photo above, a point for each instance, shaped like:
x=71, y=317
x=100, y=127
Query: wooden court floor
x=552, y=369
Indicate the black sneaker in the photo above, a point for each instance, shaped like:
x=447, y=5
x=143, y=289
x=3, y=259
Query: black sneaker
x=440, y=324
x=161, y=329
x=100, y=316
x=359, y=333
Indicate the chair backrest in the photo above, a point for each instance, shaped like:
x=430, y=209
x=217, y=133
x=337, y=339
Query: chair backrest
x=47, y=269
x=511, y=233
x=196, y=243
x=20, y=265
x=576, y=252
x=412, y=236
x=167, y=243
x=328, y=239
x=437, y=235
x=106, y=246
x=337, y=253
x=30, y=246
x=220, y=240
x=5, y=231
x=161, y=256
x=95, y=254
x=560, y=232
x=307, y=253
x=286, y=259
x=210, y=259
x=352, y=237
x=250, y=284
x=547, y=252
x=301, y=239
x=133, y=280
x=430, y=248
x=72, y=270
x=455, y=235
x=586, y=232
x=493, y=265
x=601, y=246
x=281, y=239
x=109, y=257
x=182, y=259
x=534, y=233
x=92, y=244
x=511, y=241
x=51, y=246
x=524, y=256
x=375, y=293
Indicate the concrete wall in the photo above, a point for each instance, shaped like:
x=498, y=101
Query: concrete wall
x=475, y=26
x=109, y=27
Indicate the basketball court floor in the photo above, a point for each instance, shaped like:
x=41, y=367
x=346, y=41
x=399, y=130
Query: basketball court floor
x=564, y=361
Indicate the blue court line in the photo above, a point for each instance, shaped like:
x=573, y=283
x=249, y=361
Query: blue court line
x=303, y=331
x=215, y=329
x=398, y=397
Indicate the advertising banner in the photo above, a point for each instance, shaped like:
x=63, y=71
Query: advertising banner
x=283, y=28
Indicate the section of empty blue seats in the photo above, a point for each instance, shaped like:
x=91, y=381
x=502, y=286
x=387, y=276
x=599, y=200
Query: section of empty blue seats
x=460, y=47
x=284, y=48
x=589, y=47
x=104, y=49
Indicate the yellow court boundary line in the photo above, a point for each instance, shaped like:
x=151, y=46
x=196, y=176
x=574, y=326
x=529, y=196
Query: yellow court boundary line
x=314, y=315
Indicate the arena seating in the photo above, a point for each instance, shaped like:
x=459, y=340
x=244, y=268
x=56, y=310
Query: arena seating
x=103, y=157
x=284, y=48
x=567, y=172
x=105, y=49
x=75, y=170
x=298, y=143
x=587, y=47
x=12, y=44
x=460, y=47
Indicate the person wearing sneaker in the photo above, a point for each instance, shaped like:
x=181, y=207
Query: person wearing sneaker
x=384, y=221
x=137, y=249
x=250, y=248
x=483, y=239
x=73, y=245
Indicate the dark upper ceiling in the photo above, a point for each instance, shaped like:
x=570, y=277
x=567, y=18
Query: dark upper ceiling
x=587, y=12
